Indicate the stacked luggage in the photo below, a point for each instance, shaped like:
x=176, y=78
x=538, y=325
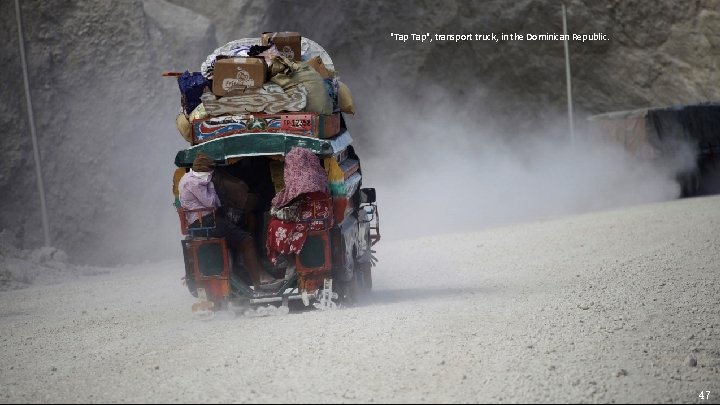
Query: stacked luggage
x=279, y=82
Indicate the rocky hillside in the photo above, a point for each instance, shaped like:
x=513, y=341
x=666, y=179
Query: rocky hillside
x=105, y=117
x=104, y=121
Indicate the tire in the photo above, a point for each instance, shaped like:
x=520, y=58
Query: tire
x=356, y=290
x=361, y=283
x=364, y=271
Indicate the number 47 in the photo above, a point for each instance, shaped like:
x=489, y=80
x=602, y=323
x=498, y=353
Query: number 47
x=704, y=395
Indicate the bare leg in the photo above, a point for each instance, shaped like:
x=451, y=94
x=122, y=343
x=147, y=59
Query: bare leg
x=258, y=275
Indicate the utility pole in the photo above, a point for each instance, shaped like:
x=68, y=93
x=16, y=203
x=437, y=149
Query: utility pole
x=567, y=77
x=31, y=119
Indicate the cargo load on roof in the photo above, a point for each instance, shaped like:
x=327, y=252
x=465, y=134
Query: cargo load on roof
x=256, y=107
x=252, y=85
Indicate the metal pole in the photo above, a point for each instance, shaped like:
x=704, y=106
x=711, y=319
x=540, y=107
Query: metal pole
x=567, y=77
x=31, y=119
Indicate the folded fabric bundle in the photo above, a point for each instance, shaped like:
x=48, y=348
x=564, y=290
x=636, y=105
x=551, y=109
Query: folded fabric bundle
x=288, y=74
x=191, y=88
x=183, y=126
x=345, y=99
x=288, y=228
x=285, y=238
x=303, y=174
x=198, y=113
x=336, y=176
x=270, y=98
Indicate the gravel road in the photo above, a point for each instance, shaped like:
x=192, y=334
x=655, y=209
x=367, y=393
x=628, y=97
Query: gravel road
x=612, y=306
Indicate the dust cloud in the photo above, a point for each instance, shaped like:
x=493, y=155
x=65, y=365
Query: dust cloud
x=438, y=166
x=454, y=170
x=149, y=230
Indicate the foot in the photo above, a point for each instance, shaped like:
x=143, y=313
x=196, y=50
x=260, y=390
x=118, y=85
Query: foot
x=281, y=261
x=271, y=285
x=267, y=279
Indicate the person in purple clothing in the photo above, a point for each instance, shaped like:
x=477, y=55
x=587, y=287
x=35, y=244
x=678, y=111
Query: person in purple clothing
x=197, y=192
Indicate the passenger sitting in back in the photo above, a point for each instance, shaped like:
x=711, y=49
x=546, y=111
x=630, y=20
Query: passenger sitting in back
x=198, y=192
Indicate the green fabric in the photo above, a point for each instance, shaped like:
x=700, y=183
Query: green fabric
x=288, y=74
x=338, y=188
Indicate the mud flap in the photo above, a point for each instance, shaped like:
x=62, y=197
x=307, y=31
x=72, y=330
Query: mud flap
x=204, y=309
x=326, y=297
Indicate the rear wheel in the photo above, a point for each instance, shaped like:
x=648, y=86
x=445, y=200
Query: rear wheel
x=363, y=275
x=356, y=290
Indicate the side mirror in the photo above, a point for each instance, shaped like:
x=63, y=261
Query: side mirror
x=367, y=195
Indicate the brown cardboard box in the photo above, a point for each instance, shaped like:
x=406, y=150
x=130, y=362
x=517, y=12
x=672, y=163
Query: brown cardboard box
x=287, y=43
x=320, y=67
x=234, y=75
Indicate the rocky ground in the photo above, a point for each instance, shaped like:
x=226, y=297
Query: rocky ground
x=614, y=306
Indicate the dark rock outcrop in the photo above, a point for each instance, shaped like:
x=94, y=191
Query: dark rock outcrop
x=105, y=117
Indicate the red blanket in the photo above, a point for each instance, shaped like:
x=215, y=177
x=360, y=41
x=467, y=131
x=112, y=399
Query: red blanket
x=289, y=237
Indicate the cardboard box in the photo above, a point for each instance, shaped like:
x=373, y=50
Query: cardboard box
x=317, y=64
x=287, y=43
x=234, y=75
